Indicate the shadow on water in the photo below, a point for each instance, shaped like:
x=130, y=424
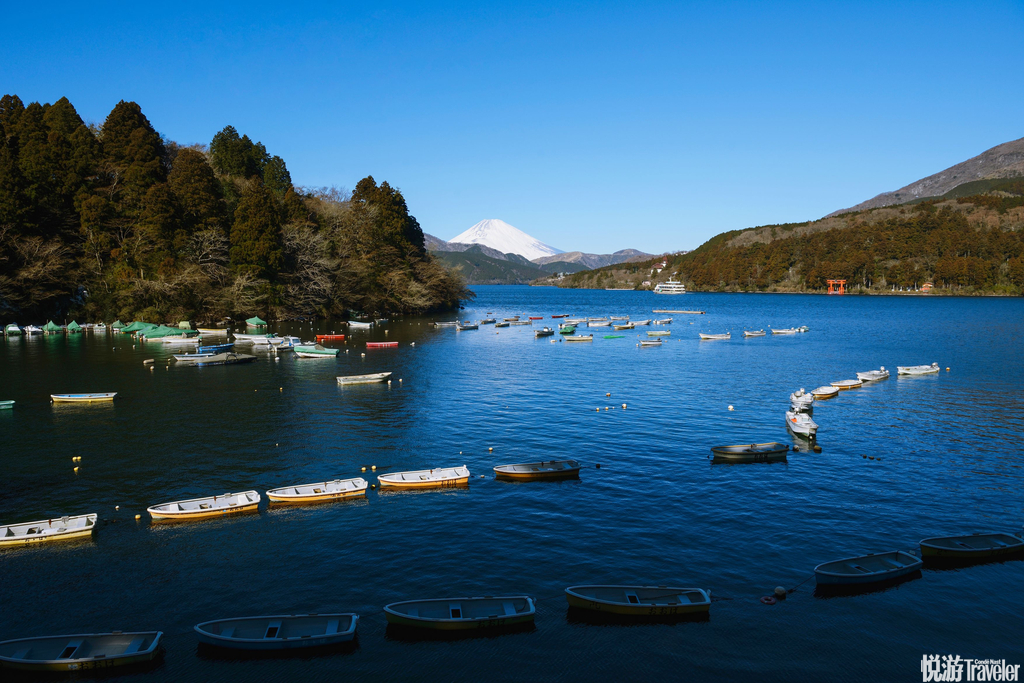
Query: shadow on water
x=577, y=616
x=942, y=564
x=411, y=634
x=837, y=591
x=225, y=654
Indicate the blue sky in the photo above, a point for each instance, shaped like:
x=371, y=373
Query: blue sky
x=594, y=126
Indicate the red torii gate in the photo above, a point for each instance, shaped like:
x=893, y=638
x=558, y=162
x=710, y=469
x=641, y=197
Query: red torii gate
x=836, y=286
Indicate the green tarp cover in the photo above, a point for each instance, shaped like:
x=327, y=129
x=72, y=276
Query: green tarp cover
x=51, y=327
x=117, y=324
x=164, y=331
x=256, y=322
x=73, y=326
x=138, y=325
x=184, y=325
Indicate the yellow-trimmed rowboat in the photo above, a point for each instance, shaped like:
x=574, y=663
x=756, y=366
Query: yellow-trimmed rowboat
x=980, y=546
x=462, y=614
x=82, y=398
x=319, y=493
x=425, y=479
x=60, y=529
x=548, y=469
x=639, y=601
x=204, y=508
x=81, y=651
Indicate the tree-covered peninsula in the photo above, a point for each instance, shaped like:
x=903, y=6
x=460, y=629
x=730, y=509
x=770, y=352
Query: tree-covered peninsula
x=115, y=221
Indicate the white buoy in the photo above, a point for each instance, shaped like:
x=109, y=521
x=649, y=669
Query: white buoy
x=731, y=408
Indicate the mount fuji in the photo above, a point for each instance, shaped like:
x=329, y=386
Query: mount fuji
x=498, y=234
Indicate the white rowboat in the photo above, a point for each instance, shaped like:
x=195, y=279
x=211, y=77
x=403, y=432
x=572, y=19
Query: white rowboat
x=873, y=375
x=461, y=614
x=364, y=379
x=82, y=398
x=59, y=529
x=80, y=651
x=867, y=569
x=211, y=506
x=280, y=632
x=755, y=333
x=355, y=324
x=320, y=492
x=548, y=469
x=845, y=384
x=639, y=601
x=440, y=477
x=801, y=424
x=918, y=369
x=708, y=337
x=825, y=392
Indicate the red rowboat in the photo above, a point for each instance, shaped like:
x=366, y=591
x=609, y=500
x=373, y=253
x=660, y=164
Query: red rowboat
x=539, y=317
x=564, y=315
x=382, y=345
x=330, y=337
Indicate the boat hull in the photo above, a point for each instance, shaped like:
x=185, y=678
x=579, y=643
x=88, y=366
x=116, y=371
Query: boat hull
x=576, y=597
x=82, y=398
x=549, y=469
x=110, y=643
x=288, y=494
x=972, y=547
x=297, y=631
x=364, y=379
x=46, y=532
x=398, y=613
x=881, y=568
x=755, y=452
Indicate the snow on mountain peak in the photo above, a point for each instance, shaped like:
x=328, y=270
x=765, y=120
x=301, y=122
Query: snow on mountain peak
x=498, y=234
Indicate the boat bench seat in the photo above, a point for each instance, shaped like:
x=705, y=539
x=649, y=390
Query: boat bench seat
x=9, y=533
x=510, y=609
x=332, y=627
x=135, y=645
x=21, y=654
x=229, y=632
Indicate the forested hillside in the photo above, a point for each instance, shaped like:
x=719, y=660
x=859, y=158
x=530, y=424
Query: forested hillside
x=962, y=244
x=114, y=221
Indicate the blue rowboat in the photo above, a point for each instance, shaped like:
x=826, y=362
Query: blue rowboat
x=216, y=348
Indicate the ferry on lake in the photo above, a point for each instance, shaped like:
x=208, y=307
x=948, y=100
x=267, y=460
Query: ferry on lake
x=670, y=287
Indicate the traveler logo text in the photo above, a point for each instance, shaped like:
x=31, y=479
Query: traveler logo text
x=956, y=668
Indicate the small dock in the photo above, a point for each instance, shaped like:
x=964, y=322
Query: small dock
x=664, y=310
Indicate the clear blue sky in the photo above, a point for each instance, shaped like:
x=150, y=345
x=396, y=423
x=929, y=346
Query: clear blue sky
x=594, y=126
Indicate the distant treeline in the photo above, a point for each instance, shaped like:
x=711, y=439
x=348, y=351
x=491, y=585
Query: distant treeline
x=116, y=221
x=967, y=245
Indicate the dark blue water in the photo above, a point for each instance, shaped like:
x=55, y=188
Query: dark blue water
x=656, y=511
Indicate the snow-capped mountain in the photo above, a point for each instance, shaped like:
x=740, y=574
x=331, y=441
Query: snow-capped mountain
x=498, y=234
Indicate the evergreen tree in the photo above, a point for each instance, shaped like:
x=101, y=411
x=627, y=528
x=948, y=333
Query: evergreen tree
x=134, y=152
x=11, y=107
x=197, y=191
x=237, y=156
x=276, y=176
x=256, y=246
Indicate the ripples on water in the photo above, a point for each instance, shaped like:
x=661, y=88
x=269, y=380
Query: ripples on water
x=657, y=511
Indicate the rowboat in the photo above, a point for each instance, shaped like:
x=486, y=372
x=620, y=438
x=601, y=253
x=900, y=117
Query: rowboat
x=488, y=321
x=424, y=479
x=613, y=336
x=599, y=323
x=801, y=401
x=867, y=569
x=980, y=546
x=788, y=330
x=503, y=324
x=33, y=329
x=706, y=337
x=873, y=375
x=6, y=405
x=12, y=330
x=575, y=321
x=59, y=529
x=824, y=392
x=279, y=632
x=650, y=342
x=755, y=452
x=641, y=322
x=212, y=331
x=82, y=398
x=639, y=601
x=252, y=338
x=80, y=651
x=548, y=469
x=663, y=321
x=364, y=379
x=658, y=333
x=845, y=384
x=618, y=317
x=918, y=369
x=754, y=333
x=210, y=506
x=320, y=492
x=566, y=329
x=627, y=326
x=180, y=341
x=580, y=338
x=355, y=324
x=546, y=332
x=536, y=317
x=521, y=322
x=330, y=337
x=460, y=614
x=384, y=345
x=563, y=315
x=224, y=359
x=215, y=348
x=452, y=323
x=466, y=326
x=801, y=424
x=315, y=351
x=192, y=357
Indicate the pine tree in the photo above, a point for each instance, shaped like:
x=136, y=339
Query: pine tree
x=197, y=191
x=276, y=176
x=256, y=246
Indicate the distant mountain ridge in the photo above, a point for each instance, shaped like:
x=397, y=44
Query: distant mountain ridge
x=1002, y=161
x=594, y=260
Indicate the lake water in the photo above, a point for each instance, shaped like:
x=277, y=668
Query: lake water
x=947, y=454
